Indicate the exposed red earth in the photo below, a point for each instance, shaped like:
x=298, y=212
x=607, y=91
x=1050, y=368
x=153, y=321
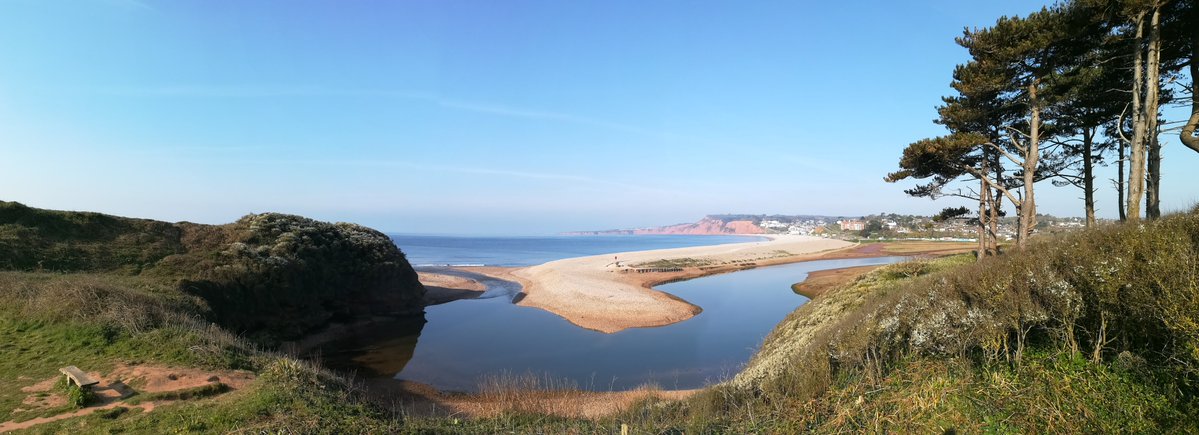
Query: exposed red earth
x=705, y=226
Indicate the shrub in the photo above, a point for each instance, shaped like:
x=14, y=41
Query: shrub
x=79, y=397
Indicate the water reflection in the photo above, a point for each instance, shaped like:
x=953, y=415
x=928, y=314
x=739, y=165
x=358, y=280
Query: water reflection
x=380, y=351
x=468, y=339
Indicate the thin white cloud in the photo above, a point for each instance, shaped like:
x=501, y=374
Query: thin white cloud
x=268, y=91
x=576, y=179
x=519, y=112
x=188, y=91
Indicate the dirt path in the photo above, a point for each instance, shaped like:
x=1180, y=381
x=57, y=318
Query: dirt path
x=10, y=426
x=114, y=388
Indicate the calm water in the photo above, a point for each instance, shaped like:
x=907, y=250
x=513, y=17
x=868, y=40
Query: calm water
x=528, y=251
x=465, y=340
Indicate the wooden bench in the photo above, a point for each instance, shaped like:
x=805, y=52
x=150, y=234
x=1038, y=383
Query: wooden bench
x=78, y=377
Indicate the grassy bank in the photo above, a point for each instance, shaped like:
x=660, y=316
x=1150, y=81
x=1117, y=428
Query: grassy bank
x=104, y=292
x=97, y=321
x=1090, y=332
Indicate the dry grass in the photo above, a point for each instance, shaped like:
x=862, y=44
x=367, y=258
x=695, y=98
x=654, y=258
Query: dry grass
x=922, y=247
x=506, y=393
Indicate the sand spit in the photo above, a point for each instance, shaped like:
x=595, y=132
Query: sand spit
x=613, y=292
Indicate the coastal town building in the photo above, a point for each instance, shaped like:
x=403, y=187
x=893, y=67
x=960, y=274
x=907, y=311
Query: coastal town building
x=852, y=225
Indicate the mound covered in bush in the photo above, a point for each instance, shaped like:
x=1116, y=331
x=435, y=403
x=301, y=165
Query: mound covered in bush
x=287, y=274
x=274, y=276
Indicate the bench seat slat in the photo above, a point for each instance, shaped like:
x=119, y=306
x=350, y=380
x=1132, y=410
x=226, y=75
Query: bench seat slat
x=80, y=378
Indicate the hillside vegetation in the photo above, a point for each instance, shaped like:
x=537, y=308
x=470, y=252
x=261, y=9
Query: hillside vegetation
x=270, y=275
x=1092, y=332
x=104, y=292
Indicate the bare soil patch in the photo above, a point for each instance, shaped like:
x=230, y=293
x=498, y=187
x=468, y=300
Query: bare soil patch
x=122, y=383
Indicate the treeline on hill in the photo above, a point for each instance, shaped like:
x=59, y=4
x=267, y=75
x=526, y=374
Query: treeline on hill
x=1052, y=95
x=270, y=275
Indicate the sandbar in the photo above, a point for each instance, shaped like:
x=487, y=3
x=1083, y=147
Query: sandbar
x=613, y=292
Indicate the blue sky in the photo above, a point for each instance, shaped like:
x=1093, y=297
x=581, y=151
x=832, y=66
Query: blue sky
x=483, y=117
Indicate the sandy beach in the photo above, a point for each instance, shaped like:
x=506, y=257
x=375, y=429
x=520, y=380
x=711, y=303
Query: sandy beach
x=613, y=292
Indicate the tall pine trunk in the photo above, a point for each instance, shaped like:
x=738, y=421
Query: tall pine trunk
x=1121, y=149
x=1153, y=184
x=983, y=189
x=1152, y=97
x=996, y=203
x=1088, y=175
x=1136, y=152
x=1032, y=154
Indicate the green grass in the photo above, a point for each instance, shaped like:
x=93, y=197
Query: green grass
x=33, y=351
x=289, y=397
x=94, y=321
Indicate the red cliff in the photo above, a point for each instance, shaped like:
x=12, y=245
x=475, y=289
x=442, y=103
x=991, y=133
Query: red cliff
x=706, y=225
